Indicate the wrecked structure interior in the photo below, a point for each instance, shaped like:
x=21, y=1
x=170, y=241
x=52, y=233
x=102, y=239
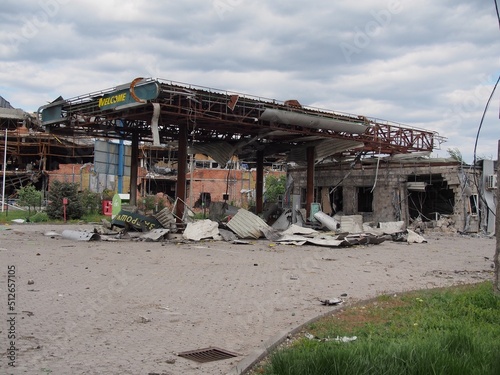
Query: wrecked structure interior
x=422, y=192
x=347, y=163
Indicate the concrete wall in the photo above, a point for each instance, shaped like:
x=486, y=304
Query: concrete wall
x=390, y=194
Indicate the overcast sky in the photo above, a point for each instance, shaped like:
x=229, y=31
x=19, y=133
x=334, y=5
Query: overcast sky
x=427, y=64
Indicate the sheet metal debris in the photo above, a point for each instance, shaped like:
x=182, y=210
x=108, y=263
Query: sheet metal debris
x=284, y=221
x=155, y=235
x=295, y=229
x=166, y=219
x=248, y=225
x=80, y=235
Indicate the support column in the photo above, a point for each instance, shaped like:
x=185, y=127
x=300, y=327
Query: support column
x=181, y=170
x=310, y=180
x=259, y=184
x=134, y=165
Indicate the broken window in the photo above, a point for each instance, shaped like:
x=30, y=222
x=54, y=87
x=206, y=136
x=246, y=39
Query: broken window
x=337, y=199
x=433, y=199
x=203, y=201
x=473, y=206
x=365, y=199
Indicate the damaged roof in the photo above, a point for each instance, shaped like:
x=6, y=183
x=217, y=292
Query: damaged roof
x=239, y=123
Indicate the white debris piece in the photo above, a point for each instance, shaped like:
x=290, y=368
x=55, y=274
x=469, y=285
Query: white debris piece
x=392, y=227
x=328, y=221
x=295, y=229
x=413, y=237
x=202, y=229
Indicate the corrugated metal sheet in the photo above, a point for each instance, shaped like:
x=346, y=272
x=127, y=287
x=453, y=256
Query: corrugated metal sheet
x=323, y=149
x=247, y=225
x=11, y=113
x=4, y=103
x=221, y=152
x=330, y=147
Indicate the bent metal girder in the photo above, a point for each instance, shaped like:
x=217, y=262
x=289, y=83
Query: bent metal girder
x=157, y=108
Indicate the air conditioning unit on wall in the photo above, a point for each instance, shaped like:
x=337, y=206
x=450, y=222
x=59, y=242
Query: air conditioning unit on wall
x=491, y=182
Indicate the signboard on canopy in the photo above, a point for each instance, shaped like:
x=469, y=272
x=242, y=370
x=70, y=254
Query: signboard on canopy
x=136, y=93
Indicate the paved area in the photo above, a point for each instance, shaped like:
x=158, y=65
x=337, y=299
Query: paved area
x=129, y=307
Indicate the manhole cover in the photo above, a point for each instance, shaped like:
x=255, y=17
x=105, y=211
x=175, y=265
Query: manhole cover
x=208, y=354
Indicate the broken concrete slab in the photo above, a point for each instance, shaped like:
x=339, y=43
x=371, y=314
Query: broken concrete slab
x=202, y=229
x=392, y=227
x=350, y=223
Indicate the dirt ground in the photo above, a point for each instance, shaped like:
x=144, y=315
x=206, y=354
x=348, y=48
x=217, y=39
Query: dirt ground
x=129, y=307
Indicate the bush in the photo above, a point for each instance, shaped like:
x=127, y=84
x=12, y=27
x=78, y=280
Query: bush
x=29, y=197
x=39, y=217
x=90, y=201
x=55, y=208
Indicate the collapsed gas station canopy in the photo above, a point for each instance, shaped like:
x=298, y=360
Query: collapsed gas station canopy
x=157, y=110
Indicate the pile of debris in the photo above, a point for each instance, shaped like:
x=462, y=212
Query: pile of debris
x=244, y=226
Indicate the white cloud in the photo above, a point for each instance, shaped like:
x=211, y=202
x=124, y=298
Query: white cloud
x=425, y=64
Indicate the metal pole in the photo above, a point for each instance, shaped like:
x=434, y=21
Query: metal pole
x=496, y=258
x=4, y=170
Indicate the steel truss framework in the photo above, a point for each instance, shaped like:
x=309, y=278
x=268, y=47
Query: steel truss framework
x=211, y=115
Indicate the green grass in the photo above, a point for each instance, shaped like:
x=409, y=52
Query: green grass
x=447, y=331
x=41, y=217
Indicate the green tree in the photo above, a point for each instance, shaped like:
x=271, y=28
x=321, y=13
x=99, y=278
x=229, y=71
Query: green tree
x=275, y=187
x=30, y=197
x=58, y=191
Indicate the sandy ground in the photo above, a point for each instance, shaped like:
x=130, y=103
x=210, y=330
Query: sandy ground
x=128, y=307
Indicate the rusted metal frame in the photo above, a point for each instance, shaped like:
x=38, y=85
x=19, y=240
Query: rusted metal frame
x=398, y=137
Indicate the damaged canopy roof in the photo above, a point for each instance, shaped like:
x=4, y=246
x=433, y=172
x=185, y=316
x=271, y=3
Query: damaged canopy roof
x=157, y=109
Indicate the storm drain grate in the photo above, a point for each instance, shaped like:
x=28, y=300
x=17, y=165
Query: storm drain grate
x=207, y=354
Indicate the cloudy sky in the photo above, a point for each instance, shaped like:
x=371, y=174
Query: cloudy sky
x=427, y=64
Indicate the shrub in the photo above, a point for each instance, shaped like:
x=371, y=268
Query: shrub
x=90, y=201
x=29, y=197
x=55, y=208
x=39, y=217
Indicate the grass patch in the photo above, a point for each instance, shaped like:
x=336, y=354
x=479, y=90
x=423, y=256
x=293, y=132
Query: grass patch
x=446, y=331
x=42, y=217
x=6, y=217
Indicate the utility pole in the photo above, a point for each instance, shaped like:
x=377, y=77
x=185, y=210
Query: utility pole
x=496, y=259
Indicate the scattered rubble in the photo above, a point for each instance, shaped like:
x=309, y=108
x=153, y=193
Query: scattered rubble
x=241, y=225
